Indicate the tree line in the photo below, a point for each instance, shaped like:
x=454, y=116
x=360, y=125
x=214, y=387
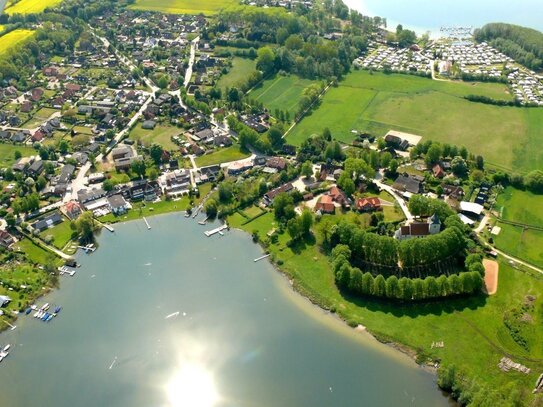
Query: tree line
x=525, y=45
x=353, y=280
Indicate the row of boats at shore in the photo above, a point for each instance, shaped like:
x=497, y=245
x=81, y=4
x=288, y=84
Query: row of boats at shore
x=43, y=313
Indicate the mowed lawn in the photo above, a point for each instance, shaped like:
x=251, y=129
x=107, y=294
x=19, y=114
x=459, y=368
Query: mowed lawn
x=207, y=7
x=281, y=92
x=7, y=153
x=526, y=208
x=161, y=134
x=221, y=155
x=13, y=38
x=31, y=6
x=239, y=71
x=472, y=329
x=506, y=136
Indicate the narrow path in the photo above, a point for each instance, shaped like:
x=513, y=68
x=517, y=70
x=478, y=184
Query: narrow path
x=44, y=245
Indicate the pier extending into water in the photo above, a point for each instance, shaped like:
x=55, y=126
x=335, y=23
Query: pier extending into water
x=209, y=233
x=261, y=258
x=147, y=223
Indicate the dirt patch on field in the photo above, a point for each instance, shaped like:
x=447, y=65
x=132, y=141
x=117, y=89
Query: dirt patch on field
x=491, y=276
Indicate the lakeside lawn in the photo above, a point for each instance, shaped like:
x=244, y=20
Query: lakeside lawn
x=208, y=7
x=7, y=153
x=31, y=6
x=61, y=234
x=281, y=92
x=13, y=38
x=35, y=253
x=161, y=134
x=221, y=155
x=239, y=71
x=433, y=109
x=148, y=209
x=472, y=329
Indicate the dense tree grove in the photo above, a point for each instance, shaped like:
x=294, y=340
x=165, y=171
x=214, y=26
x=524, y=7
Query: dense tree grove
x=353, y=280
x=524, y=45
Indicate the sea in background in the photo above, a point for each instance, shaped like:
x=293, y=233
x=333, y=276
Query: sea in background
x=169, y=317
x=426, y=15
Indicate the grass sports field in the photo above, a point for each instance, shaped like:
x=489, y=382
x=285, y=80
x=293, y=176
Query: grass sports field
x=31, y=6
x=526, y=208
x=281, y=92
x=13, y=38
x=505, y=136
x=208, y=7
x=241, y=68
x=472, y=330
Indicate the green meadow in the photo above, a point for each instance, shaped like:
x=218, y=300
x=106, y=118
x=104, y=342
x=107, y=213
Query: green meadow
x=437, y=110
x=207, y=7
x=281, y=92
x=239, y=71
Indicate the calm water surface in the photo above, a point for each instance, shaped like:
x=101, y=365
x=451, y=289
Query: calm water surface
x=426, y=15
x=240, y=338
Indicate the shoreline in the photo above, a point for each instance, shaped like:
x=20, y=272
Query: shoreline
x=297, y=295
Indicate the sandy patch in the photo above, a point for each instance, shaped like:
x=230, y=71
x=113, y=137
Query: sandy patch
x=496, y=230
x=491, y=276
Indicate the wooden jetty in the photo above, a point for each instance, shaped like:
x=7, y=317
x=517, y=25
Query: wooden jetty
x=261, y=257
x=209, y=233
x=204, y=221
x=147, y=223
x=109, y=227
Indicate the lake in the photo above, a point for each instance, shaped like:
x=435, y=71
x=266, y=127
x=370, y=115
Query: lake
x=168, y=317
x=425, y=15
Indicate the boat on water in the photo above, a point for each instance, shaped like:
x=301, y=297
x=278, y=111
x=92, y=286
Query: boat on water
x=45, y=316
x=28, y=311
x=7, y=347
x=49, y=318
x=57, y=309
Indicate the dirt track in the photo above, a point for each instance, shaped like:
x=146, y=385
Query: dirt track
x=491, y=276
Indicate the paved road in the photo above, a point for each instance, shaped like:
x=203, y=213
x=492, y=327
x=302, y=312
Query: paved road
x=392, y=191
x=188, y=73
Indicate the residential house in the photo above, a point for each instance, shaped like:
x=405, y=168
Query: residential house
x=394, y=140
x=409, y=183
x=118, y=204
x=6, y=240
x=339, y=196
x=412, y=230
x=47, y=222
x=270, y=196
x=453, y=191
x=438, y=171
x=72, y=210
x=325, y=205
x=368, y=204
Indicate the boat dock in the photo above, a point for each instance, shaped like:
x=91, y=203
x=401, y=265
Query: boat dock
x=147, y=223
x=197, y=211
x=109, y=227
x=209, y=233
x=204, y=221
x=261, y=258
x=88, y=248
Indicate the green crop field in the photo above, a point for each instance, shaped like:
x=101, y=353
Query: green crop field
x=208, y=7
x=281, y=92
x=519, y=242
x=161, y=134
x=472, y=329
x=505, y=136
x=31, y=6
x=241, y=68
x=520, y=206
x=13, y=38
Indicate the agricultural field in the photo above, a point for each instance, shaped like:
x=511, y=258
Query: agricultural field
x=7, y=153
x=520, y=242
x=161, y=134
x=459, y=323
x=13, y=38
x=221, y=155
x=376, y=103
x=241, y=68
x=208, y=7
x=520, y=206
x=31, y=6
x=281, y=92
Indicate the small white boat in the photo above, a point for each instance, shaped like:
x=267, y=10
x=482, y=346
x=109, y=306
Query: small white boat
x=6, y=348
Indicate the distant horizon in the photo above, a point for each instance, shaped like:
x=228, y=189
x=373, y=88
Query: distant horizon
x=442, y=14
